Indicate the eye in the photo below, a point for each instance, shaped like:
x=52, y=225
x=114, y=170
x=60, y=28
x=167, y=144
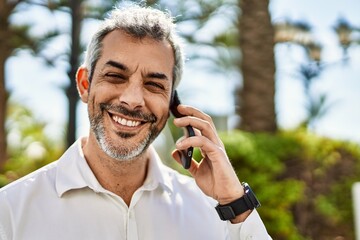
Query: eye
x=114, y=77
x=155, y=85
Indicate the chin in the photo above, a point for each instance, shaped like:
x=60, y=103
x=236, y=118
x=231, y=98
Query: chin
x=126, y=147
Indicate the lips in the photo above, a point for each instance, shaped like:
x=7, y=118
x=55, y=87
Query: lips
x=127, y=118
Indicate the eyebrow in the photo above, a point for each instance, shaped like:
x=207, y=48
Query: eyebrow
x=157, y=75
x=117, y=65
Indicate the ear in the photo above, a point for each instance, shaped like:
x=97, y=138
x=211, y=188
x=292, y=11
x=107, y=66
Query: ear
x=82, y=83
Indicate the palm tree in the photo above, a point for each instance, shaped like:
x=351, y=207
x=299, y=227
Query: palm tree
x=76, y=12
x=12, y=37
x=5, y=51
x=256, y=98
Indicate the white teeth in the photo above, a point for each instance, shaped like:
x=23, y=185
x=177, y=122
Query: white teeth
x=126, y=122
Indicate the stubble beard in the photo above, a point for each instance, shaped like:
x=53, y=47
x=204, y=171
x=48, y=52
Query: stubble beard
x=115, y=150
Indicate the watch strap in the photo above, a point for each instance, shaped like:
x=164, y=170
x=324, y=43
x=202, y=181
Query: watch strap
x=231, y=210
x=247, y=202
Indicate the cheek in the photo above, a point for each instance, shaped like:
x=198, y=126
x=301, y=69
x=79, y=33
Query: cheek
x=91, y=107
x=101, y=93
x=94, y=100
x=160, y=108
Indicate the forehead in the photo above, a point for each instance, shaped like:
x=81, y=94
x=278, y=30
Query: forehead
x=134, y=52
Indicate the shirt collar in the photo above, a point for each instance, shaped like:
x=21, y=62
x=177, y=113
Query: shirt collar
x=158, y=173
x=73, y=172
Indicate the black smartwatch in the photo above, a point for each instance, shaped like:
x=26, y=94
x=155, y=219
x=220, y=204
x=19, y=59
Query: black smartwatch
x=247, y=202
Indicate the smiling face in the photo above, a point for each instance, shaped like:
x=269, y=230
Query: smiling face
x=128, y=99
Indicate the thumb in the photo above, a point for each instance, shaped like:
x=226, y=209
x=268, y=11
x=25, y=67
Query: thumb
x=176, y=154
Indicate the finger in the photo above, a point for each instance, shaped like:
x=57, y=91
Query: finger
x=203, y=126
x=207, y=147
x=196, y=113
x=191, y=111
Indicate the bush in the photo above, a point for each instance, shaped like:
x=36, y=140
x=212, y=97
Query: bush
x=303, y=181
x=29, y=146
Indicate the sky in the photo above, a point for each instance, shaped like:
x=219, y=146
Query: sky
x=340, y=80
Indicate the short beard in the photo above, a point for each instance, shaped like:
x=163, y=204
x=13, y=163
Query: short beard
x=122, y=153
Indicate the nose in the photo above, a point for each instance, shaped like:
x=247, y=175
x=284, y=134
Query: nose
x=132, y=95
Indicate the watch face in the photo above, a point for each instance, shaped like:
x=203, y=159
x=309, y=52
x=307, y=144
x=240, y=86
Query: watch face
x=251, y=198
x=255, y=202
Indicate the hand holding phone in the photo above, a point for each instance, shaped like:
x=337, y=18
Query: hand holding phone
x=186, y=155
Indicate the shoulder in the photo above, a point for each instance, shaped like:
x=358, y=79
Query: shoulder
x=33, y=181
x=43, y=179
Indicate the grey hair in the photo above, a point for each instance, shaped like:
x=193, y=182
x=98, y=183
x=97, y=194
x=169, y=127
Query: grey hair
x=138, y=22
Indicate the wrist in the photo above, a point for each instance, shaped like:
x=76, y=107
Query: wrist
x=231, y=194
x=236, y=195
x=242, y=217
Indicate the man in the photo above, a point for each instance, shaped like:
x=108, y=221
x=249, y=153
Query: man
x=112, y=184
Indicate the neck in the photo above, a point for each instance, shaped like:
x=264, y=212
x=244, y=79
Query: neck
x=120, y=177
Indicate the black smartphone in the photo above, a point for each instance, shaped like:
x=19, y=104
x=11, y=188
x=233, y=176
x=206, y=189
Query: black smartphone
x=186, y=155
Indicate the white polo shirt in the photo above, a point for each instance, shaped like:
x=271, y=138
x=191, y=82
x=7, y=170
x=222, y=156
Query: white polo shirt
x=64, y=200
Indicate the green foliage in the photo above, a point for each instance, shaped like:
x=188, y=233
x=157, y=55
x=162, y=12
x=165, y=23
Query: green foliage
x=259, y=160
x=329, y=168
x=302, y=180
x=29, y=146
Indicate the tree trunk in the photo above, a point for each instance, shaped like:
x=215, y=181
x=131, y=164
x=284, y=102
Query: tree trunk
x=3, y=107
x=5, y=51
x=71, y=91
x=257, y=103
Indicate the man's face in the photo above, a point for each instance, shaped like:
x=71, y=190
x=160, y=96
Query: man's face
x=129, y=96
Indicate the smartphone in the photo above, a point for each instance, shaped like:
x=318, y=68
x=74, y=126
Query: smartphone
x=186, y=155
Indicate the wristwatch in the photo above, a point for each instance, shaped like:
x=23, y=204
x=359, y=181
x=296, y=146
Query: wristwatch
x=247, y=202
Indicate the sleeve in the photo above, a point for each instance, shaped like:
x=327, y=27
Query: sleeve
x=2, y=233
x=251, y=228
